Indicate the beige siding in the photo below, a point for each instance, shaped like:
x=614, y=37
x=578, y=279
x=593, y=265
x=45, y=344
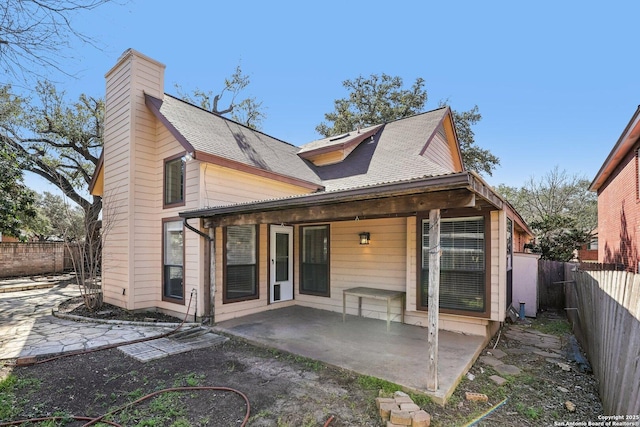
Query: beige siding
x=498, y=265
x=133, y=184
x=237, y=309
x=328, y=158
x=115, y=259
x=412, y=272
x=223, y=186
x=389, y=262
x=381, y=264
x=439, y=151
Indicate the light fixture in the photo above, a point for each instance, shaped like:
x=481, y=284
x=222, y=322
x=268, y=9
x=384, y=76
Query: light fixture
x=187, y=157
x=364, y=238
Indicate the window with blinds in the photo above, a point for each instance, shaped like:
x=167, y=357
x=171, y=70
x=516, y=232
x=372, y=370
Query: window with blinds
x=462, y=264
x=240, y=267
x=314, y=264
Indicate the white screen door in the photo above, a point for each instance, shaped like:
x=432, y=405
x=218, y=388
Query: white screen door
x=281, y=263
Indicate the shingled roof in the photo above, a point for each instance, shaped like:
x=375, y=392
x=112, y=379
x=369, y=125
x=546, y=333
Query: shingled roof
x=394, y=152
x=215, y=135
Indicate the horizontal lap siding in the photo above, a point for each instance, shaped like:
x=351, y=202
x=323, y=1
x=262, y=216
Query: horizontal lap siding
x=115, y=258
x=381, y=264
x=439, y=151
x=149, y=215
x=224, y=186
x=147, y=194
x=237, y=309
x=498, y=265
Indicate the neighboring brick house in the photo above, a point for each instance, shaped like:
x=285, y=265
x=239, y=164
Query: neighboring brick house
x=618, y=191
x=589, y=251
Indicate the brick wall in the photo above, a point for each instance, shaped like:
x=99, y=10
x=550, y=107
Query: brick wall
x=28, y=259
x=619, y=214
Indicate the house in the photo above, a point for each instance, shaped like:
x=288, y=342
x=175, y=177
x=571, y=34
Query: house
x=617, y=186
x=200, y=205
x=588, y=252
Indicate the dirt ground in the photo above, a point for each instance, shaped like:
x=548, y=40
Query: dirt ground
x=284, y=390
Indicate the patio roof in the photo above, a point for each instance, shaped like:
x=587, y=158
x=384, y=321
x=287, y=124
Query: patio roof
x=464, y=189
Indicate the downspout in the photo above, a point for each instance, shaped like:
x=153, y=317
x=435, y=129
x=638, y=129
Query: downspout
x=212, y=271
x=210, y=239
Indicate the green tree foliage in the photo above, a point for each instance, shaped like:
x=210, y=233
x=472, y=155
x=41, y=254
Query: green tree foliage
x=560, y=209
x=16, y=199
x=249, y=111
x=55, y=219
x=381, y=99
x=60, y=141
x=35, y=35
x=474, y=157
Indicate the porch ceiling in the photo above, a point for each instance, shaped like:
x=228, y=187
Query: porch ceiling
x=461, y=190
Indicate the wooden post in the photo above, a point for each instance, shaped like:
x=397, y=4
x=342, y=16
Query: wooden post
x=212, y=274
x=434, y=299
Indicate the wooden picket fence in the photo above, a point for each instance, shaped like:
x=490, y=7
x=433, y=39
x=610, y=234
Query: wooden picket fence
x=604, y=308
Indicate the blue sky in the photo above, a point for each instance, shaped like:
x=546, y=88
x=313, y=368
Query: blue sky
x=555, y=81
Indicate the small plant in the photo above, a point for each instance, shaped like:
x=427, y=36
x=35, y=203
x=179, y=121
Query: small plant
x=528, y=411
x=421, y=400
x=191, y=380
x=372, y=383
x=558, y=327
x=135, y=394
x=9, y=404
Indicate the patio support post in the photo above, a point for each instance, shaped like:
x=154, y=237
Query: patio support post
x=434, y=299
x=212, y=272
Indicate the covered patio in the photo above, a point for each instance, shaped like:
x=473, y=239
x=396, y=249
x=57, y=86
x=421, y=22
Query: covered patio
x=362, y=345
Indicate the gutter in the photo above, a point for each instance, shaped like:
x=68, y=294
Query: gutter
x=459, y=181
x=439, y=183
x=626, y=141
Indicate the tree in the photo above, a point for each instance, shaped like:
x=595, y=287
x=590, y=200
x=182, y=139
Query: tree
x=57, y=140
x=381, y=99
x=249, y=112
x=55, y=219
x=561, y=210
x=34, y=34
x=475, y=158
x=16, y=199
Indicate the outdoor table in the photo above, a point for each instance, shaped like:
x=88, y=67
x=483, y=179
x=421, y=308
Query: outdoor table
x=380, y=294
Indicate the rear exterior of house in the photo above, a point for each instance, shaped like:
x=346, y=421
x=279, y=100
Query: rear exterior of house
x=202, y=209
x=617, y=185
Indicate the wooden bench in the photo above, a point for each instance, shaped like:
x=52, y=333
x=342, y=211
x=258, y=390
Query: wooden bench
x=379, y=294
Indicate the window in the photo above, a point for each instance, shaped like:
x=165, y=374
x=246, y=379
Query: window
x=593, y=244
x=174, y=171
x=315, y=260
x=173, y=260
x=241, y=267
x=462, y=264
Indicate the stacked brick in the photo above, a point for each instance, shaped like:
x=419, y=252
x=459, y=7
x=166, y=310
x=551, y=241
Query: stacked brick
x=401, y=411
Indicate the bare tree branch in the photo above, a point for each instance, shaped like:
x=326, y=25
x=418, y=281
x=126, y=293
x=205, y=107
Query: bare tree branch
x=36, y=35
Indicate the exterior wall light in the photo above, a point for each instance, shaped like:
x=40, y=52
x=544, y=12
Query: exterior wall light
x=364, y=238
x=187, y=157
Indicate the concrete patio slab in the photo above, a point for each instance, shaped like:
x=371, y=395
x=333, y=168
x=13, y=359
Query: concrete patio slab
x=362, y=345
